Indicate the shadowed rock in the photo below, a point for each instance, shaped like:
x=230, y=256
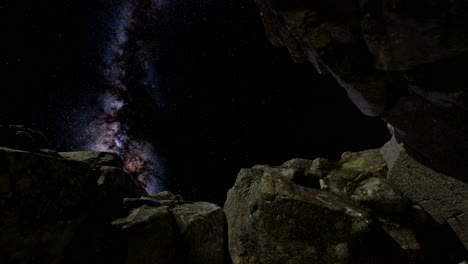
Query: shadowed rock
x=272, y=220
x=166, y=229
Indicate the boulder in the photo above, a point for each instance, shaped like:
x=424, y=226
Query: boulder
x=272, y=220
x=43, y=201
x=166, y=229
x=55, y=209
x=149, y=235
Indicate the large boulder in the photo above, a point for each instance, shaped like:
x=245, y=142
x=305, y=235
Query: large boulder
x=166, y=229
x=272, y=220
x=56, y=209
x=273, y=214
x=43, y=201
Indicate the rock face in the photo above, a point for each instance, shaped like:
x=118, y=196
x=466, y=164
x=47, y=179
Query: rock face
x=272, y=220
x=158, y=230
x=444, y=198
x=398, y=60
x=355, y=216
x=49, y=199
x=403, y=62
x=81, y=207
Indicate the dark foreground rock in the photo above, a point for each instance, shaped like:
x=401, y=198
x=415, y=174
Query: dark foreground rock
x=355, y=216
x=272, y=220
x=157, y=230
x=81, y=207
x=404, y=62
x=46, y=200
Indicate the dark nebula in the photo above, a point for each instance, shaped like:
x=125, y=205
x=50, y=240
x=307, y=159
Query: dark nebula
x=127, y=72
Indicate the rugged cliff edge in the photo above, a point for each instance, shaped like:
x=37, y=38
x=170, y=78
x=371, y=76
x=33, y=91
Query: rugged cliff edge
x=405, y=62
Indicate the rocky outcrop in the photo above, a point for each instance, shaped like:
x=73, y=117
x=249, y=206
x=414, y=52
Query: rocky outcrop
x=271, y=220
x=162, y=230
x=443, y=197
x=47, y=200
x=354, y=215
x=374, y=206
x=402, y=61
x=81, y=207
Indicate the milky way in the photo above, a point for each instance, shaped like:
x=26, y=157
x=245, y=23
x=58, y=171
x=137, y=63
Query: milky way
x=127, y=70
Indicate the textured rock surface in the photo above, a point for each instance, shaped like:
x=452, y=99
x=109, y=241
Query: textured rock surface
x=272, y=220
x=172, y=231
x=362, y=43
x=428, y=30
x=54, y=208
x=43, y=202
x=443, y=197
x=399, y=60
x=361, y=176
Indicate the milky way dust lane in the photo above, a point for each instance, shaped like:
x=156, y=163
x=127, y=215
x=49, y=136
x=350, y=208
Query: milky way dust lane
x=127, y=69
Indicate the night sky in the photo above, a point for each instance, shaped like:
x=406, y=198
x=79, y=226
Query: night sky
x=187, y=92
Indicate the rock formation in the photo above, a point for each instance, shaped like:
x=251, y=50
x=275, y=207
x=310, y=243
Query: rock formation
x=405, y=63
x=373, y=206
x=165, y=229
x=404, y=203
x=81, y=207
x=353, y=215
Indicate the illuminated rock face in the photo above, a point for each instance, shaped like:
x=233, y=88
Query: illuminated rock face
x=355, y=215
